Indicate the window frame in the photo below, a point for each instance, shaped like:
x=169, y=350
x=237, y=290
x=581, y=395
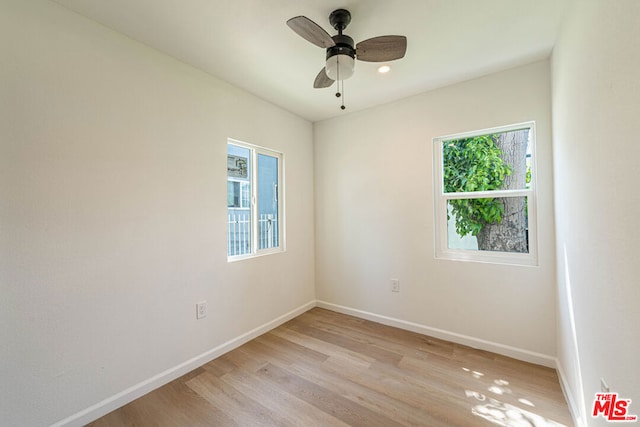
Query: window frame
x=441, y=199
x=255, y=251
x=241, y=187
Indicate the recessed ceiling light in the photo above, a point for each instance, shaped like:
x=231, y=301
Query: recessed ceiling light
x=383, y=69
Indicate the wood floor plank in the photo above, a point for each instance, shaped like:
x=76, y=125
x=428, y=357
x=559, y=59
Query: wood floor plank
x=287, y=347
x=426, y=398
x=330, y=349
x=406, y=340
x=374, y=339
x=372, y=399
x=297, y=411
x=220, y=366
x=346, y=341
x=328, y=369
x=227, y=399
x=326, y=400
x=176, y=405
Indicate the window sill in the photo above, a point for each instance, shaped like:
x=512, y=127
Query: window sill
x=486, y=257
x=262, y=253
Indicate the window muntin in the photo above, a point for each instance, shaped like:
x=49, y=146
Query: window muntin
x=485, y=195
x=254, y=206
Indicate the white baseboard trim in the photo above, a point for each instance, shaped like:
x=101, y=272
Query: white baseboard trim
x=578, y=421
x=505, y=350
x=138, y=390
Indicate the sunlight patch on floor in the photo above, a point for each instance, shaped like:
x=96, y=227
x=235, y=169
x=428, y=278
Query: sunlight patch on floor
x=526, y=402
x=475, y=374
x=506, y=415
x=501, y=413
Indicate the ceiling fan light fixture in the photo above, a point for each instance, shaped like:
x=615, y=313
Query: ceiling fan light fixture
x=384, y=69
x=340, y=67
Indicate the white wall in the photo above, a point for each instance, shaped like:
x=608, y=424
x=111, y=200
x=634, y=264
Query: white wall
x=596, y=93
x=113, y=216
x=374, y=215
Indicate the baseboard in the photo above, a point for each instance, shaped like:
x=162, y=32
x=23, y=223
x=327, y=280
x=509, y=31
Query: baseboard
x=578, y=421
x=505, y=350
x=114, y=402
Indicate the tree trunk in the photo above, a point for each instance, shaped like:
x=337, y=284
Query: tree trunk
x=511, y=234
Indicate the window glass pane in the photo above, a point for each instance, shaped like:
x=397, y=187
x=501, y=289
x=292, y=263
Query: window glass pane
x=498, y=161
x=239, y=170
x=233, y=201
x=268, y=223
x=498, y=224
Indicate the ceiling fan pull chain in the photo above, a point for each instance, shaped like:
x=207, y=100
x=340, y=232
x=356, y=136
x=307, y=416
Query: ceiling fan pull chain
x=338, y=78
x=339, y=84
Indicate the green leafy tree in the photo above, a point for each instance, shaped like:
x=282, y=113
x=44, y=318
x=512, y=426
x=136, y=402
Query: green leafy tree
x=485, y=163
x=474, y=164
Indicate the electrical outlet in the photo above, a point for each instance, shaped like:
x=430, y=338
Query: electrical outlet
x=395, y=285
x=201, y=310
x=603, y=386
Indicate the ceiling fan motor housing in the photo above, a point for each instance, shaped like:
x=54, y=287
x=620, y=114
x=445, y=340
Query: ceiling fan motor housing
x=341, y=58
x=344, y=46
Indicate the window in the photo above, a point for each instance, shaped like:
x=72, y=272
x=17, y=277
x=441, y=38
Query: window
x=238, y=194
x=485, y=195
x=254, y=200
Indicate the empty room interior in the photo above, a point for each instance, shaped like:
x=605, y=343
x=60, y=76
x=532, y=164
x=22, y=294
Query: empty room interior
x=385, y=263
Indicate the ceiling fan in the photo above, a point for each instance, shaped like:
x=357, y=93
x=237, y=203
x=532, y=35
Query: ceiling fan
x=341, y=51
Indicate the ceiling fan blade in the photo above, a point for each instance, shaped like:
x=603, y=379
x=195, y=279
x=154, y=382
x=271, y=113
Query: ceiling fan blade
x=381, y=49
x=310, y=31
x=322, y=80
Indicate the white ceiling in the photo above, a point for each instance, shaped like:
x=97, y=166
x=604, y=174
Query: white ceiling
x=248, y=44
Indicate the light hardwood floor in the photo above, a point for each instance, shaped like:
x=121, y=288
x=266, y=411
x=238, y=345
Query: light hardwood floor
x=328, y=369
